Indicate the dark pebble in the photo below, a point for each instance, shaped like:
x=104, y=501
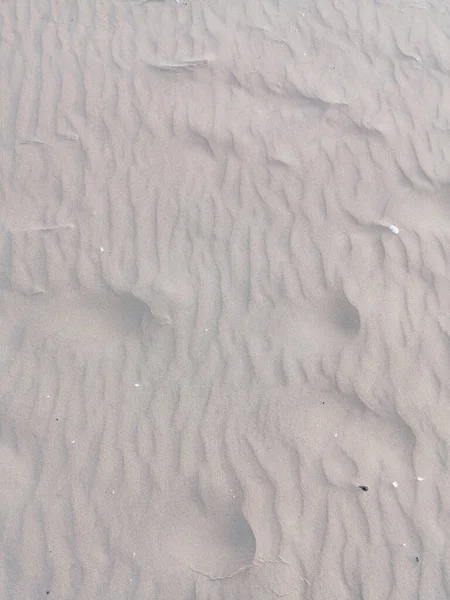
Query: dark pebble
x=364, y=488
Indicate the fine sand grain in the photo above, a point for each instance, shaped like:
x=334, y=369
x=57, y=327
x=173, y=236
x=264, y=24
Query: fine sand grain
x=225, y=300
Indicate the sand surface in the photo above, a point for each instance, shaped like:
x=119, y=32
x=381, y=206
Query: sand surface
x=225, y=300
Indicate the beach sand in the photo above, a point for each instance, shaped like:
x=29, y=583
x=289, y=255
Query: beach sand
x=225, y=300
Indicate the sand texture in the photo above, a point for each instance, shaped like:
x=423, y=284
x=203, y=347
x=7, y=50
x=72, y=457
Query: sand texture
x=224, y=300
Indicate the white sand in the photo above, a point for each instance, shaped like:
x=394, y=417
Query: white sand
x=210, y=337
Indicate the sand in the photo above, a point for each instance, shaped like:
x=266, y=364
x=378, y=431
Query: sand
x=225, y=300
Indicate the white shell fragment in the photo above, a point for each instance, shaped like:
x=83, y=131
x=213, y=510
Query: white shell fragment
x=393, y=228
x=395, y=484
x=420, y=479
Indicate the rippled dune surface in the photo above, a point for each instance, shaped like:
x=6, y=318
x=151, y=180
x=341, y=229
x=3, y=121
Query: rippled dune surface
x=224, y=300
